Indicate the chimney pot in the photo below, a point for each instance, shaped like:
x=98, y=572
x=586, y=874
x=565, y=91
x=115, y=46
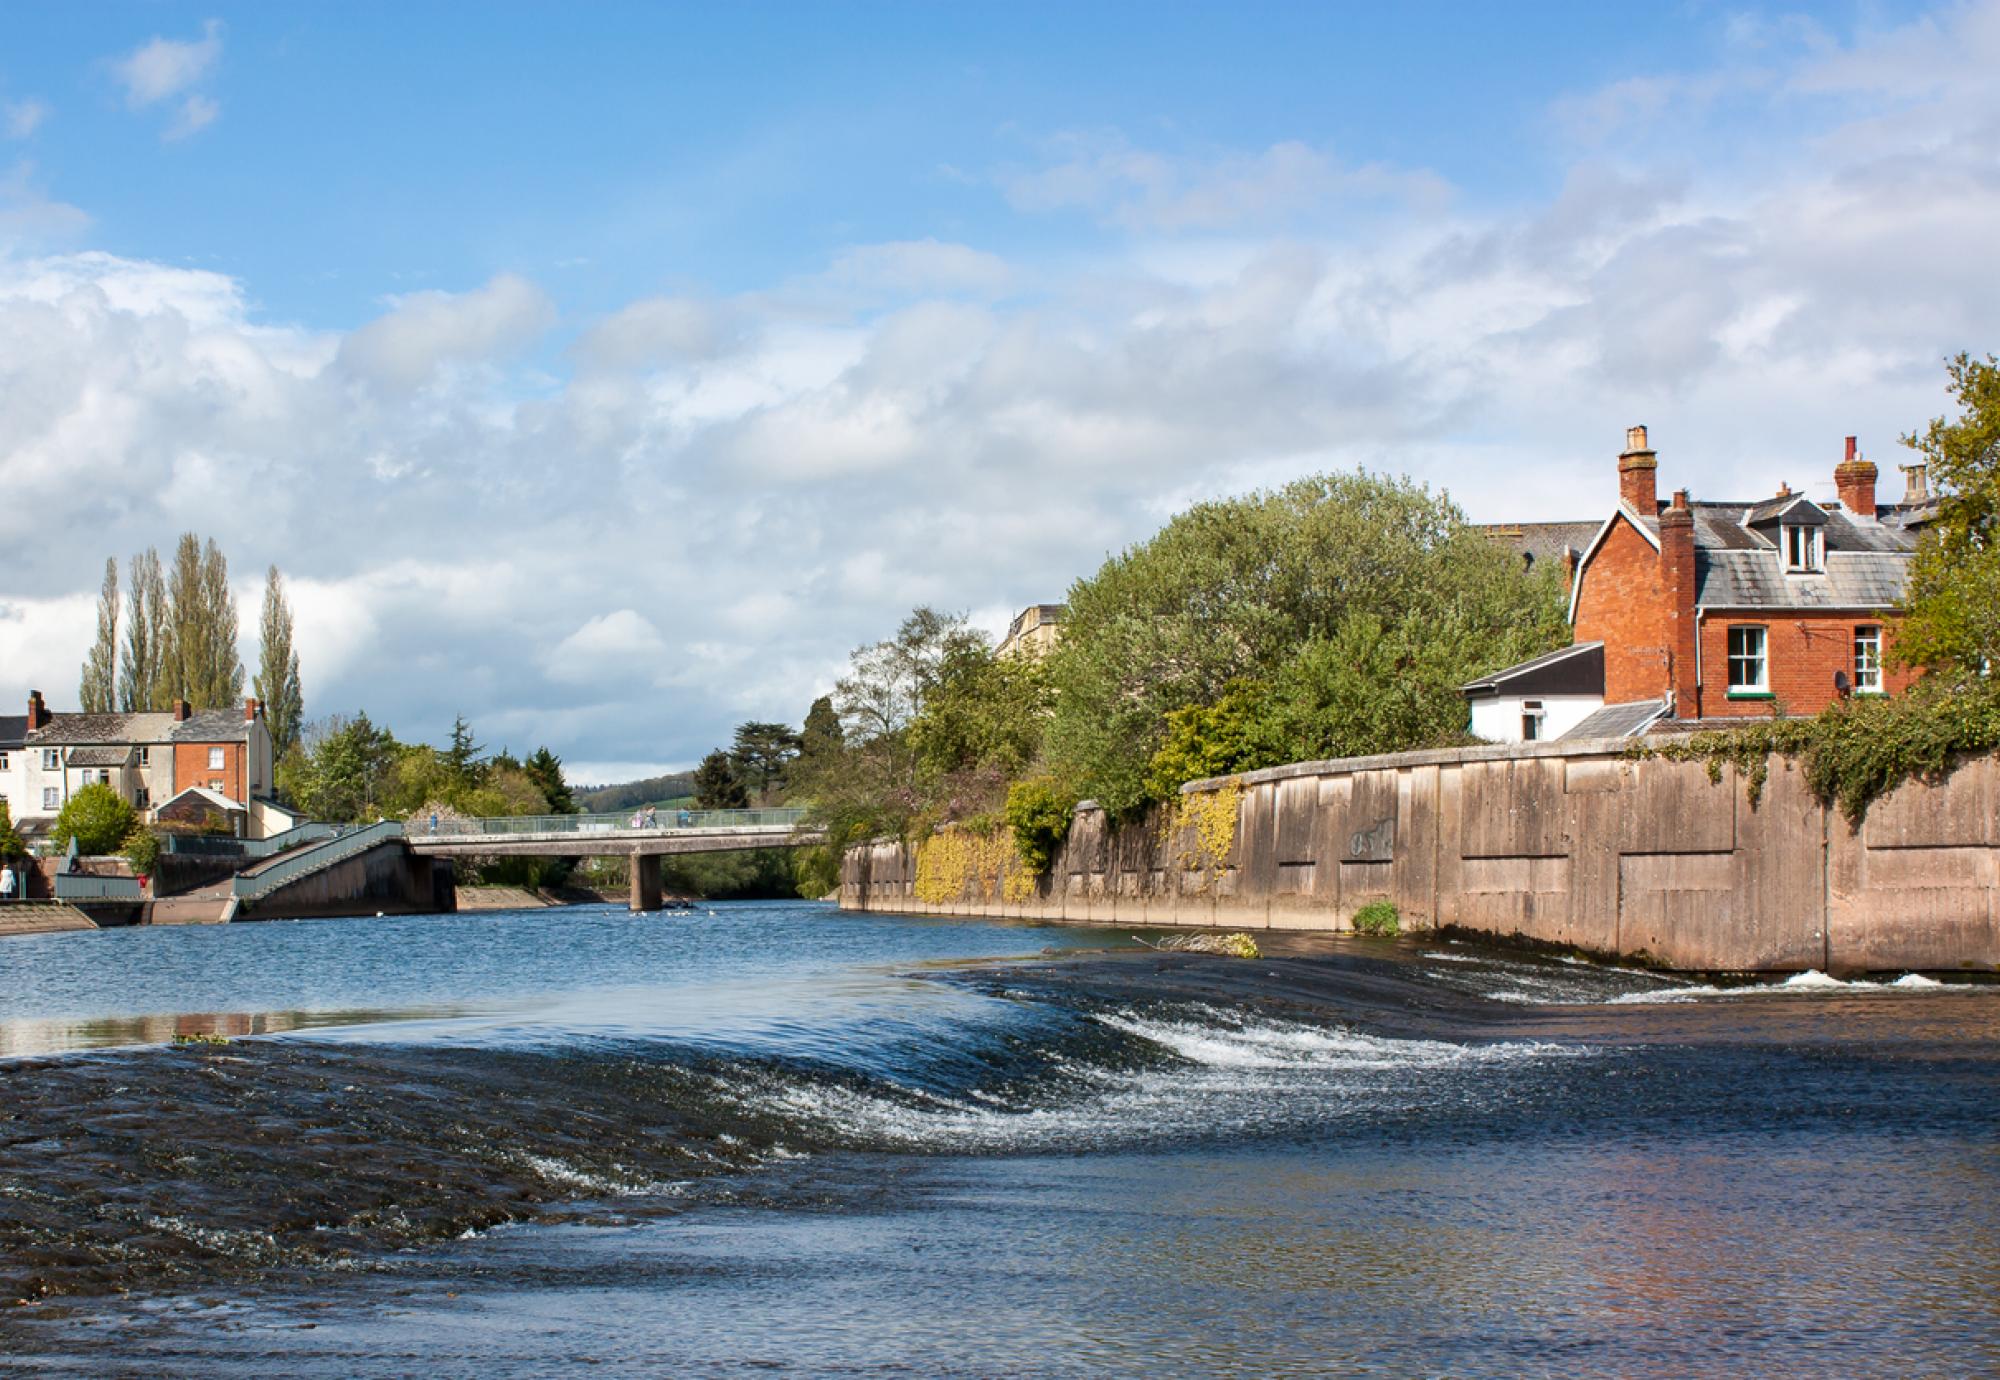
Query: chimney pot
x=1638, y=484
x=1851, y=446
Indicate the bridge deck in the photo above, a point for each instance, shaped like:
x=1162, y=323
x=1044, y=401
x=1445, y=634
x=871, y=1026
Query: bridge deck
x=612, y=836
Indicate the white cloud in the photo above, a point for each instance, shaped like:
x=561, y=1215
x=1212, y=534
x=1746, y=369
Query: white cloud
x=170, y=70
x=732, y=491
x=23, y=118
x=30, y=218
x=1141, y=189
x=426, y=331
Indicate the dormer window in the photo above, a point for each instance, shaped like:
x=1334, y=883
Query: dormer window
x=1804, y=551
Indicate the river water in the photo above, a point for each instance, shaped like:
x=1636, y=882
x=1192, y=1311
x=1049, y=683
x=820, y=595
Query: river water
x=772, y=1137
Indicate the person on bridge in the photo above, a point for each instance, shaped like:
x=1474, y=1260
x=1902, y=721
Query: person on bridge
x=6, y=881
x=686, y=818
x=652, y=818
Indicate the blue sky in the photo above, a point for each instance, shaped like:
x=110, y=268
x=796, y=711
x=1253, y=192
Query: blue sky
x=606, y=374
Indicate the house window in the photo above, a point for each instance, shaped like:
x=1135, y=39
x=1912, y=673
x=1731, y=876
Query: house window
x=103, y=778
x=1802, y=548
x=1868, y=660
x=215, y=759
x=51, y=798
x=215, y=786
x=1531, y=720
x=145, y=757
x=1748, y=666
x=3, y=761
x=51, y=759
x=142, y=798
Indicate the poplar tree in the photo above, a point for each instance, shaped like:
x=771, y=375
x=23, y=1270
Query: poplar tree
x=145, y=635
x=277, y=679
x=200, y=665
x=98, y=691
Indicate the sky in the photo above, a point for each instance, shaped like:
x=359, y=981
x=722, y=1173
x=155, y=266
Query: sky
x=607, y=374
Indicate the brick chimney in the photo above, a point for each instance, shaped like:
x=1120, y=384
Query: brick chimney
x=1637, y=483
x=251, y=709
x=1677, y=589
x=1855, y=479
x=181, y=711
x=38, y=712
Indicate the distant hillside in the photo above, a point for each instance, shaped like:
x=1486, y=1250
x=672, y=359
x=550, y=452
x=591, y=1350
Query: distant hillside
x=654, y=790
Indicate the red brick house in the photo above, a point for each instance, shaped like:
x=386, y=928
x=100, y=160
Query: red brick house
x=1718, y=610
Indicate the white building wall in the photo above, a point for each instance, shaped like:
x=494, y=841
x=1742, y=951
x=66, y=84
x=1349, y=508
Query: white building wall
x=1497, y=718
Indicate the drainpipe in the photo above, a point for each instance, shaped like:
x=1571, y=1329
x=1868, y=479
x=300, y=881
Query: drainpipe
x=1699, y=610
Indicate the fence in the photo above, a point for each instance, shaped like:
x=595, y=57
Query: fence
x=224, y=846
x=632, y=822
x=81, y=887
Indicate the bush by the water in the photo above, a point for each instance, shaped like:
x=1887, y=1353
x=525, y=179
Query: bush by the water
x=1379, y=918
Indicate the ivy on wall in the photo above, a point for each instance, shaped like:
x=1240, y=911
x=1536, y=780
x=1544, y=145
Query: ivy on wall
x=1198, y=829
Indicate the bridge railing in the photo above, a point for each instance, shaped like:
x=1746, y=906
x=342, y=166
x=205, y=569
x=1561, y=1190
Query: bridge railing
x=268, y=877
x=626, y=822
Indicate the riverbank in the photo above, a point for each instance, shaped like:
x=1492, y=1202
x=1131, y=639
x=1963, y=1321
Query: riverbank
x=41, y=917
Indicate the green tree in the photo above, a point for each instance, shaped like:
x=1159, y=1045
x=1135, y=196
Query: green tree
x=1239, y=590
x=462, y=758
x=97, y=817
x=762, y=754
x=1952, y=623
x=545, y=769
x=98, y=692
x=716, y=784
x=141, y=680
x=277, y=680
x=822, y=737
x=200, y=663
x=342, y=772
x=10, y=839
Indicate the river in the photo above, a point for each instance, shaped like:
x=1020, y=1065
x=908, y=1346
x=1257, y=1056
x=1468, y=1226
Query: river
x=775, y=1138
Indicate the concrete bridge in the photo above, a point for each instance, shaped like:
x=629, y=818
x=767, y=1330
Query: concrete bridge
x=643, y=837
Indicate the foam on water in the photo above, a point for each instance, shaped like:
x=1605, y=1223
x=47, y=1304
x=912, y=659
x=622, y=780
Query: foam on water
x=1196, y=1071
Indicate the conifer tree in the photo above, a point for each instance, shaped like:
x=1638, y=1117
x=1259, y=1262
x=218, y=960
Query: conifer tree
x=277, y=680
x=716, y=785
x=201, y=664
x=97, y=694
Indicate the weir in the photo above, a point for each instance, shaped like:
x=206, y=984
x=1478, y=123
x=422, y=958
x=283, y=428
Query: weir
x=1581, y=844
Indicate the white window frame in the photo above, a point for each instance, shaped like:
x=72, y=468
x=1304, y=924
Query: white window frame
x=3, y=761
x=145, y=757
x=1868, y=659
x=51, y=759
x=216, y=761
x=216, y=786
x=51, y=798
x=1533, y=720
x=1761, y=657
x=1805, y=548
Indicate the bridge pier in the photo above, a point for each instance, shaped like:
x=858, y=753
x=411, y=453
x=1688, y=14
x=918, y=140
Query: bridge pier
x=646, y=893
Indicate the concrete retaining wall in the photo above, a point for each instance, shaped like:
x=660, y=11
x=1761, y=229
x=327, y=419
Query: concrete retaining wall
x=1573, y=844
x=386, y=878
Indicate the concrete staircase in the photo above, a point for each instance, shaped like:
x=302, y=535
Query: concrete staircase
x=208, y=905
x=41, y=917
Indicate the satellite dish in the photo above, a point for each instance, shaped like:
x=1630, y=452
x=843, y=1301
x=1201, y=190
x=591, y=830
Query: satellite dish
x=1841, y=685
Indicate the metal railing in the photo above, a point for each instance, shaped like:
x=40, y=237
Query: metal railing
x=77, y=886
x=268, y=877
x=628, y=822
x=226, y=846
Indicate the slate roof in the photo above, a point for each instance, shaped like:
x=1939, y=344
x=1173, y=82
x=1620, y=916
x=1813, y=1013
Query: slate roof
x=107, y=756
x=64, y=730
x=1619, y=720
x=13, y=730
x=205, y=795
x=213, y=726
x=1574, y=670
x=1541, y=541
x=1737, y=566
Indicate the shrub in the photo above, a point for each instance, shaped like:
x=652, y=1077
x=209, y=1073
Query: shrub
x=142, y=850
x=1039, y=811
x=1378, y=918
x=97, y=817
